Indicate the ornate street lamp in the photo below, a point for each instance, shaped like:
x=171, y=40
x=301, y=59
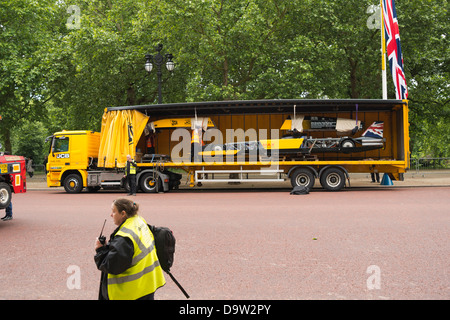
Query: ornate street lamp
x=159, y=60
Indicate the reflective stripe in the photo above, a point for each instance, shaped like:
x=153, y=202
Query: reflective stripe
x=142, y=247
x=135, y=276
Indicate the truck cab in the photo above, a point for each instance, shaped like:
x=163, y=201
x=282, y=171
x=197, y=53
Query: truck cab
x=73, y=164
x=12, y=177
x=71, y=154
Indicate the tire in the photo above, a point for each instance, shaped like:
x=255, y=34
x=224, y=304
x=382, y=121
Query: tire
x=124, y=184
x=5, y=195
x=303, y=177
x=148, y=183
x=347, y=143
x=73, y=183
x=332, y=179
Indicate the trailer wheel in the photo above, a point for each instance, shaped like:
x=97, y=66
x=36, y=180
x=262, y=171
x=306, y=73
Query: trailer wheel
x=5, y=195
x=332, y=179
x=73, y=183
x=303, y=177
x=148, y=183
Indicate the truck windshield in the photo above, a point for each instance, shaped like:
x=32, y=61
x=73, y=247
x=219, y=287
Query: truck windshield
x=61, y=144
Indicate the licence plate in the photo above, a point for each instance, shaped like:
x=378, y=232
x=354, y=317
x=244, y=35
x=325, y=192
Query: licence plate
x=4, y=168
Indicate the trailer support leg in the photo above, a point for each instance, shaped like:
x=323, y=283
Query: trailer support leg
x=192, y=179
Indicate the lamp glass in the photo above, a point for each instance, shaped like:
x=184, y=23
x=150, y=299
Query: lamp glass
x=148, y=66
x=170, y=65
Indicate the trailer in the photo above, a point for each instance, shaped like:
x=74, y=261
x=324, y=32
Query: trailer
x=164, y=147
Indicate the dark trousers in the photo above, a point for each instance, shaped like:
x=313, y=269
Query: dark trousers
x=373, y=175
x=131, y=180
x=9, y=210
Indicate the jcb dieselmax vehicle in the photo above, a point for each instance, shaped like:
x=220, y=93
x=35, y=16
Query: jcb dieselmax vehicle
x=152, y=134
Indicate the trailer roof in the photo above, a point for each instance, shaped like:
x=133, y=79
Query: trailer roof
x=208, y=108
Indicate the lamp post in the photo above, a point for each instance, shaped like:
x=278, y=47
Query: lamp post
x=159, y=60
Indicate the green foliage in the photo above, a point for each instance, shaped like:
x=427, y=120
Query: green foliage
x=426, y=51
x=29, y=141
x=64, y=76
x=23, y=34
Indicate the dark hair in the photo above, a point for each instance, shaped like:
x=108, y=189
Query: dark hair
x=131, y=208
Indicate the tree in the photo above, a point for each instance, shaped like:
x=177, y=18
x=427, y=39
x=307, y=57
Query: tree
x=23, y=95
x=29, y=140
x=424, y=27
x=66, y=75
x=232, y=45
x=275, y=49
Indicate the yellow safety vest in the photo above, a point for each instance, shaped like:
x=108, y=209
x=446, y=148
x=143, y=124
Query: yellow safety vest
x=132, y=165
x=145, y=274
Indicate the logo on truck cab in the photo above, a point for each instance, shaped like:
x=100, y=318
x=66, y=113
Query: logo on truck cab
x=62, y=156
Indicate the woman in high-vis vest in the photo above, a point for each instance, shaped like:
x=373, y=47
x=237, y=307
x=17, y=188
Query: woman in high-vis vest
x=129, y=264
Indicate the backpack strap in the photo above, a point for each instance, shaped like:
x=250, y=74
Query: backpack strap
x=178, y=285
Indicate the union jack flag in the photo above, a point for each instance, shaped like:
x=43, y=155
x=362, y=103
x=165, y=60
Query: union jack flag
x=375, y=130
x=393, y=49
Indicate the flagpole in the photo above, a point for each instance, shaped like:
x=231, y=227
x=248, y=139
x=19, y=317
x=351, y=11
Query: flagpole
x=383, y=54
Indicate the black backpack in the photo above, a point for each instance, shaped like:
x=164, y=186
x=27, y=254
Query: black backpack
x=165, y=250
x=165, y=246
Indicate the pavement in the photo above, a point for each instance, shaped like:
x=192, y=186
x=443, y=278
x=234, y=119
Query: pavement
x=364, y=243
x=241, y=243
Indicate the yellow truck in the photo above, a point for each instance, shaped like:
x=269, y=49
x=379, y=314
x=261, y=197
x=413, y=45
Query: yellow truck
x=300, y=140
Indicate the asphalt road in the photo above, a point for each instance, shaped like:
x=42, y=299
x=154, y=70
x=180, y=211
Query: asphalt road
x=362, y=243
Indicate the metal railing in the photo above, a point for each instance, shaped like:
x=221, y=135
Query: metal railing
x=430, y=165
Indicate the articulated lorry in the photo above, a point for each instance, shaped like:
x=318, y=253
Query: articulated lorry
x=254, y=141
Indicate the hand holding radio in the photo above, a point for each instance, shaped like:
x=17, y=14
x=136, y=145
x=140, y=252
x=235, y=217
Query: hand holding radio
x=101, y=240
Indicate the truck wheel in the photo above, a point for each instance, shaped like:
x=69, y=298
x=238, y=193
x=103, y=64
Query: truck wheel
x=148, y=183
x=303, y=177
x=73, y=183
x=5, y=195
x=332, y=179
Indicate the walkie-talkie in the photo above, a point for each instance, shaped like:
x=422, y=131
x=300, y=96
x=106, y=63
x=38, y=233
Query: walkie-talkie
x=102, y=238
